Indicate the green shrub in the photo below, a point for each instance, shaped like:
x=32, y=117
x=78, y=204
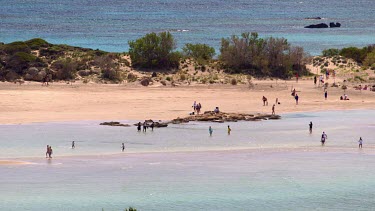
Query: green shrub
x=168, y=78
x=132, y=77
x=65, y=69
x=112, y=75
x=182, y=77
x=154, y=51
x=15, y=47
x=233, y=81
x=331, y=52
x=359, y=78
x=20, y=61
x=200, y=52
x=37, y=43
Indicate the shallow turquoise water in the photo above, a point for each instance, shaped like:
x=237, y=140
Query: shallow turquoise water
x=279, y=167
x=109, y=25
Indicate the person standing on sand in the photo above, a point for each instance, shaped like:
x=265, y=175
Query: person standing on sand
x=360, y=142
x=139, y=127
x=296, y=97
x=73, y=145
x=323, y=139
x=325, y=95
x=297, y=77
x=229, y=130
x=273, y=109
x=210, y=130
x=265, y=101
x=314, y=80
x=144, y=126
x=123, y=147
x=310, y=127
x=47, y=151
x=152, y=126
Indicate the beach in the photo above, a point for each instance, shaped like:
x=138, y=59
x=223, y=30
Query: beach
x=31, y=102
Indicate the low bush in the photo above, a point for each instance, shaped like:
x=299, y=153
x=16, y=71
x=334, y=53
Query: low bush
x=132, y=77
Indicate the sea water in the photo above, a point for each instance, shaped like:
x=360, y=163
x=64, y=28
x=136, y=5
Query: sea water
x=266, y=165
x=109, y=25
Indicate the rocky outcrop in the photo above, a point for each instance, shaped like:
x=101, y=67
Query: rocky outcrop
x=34, y=74
x=319, y=26
x=115, y=124
x=156, y=124
x=334, y=25
x=323, y=25
x=210, y=116
x=313, y=18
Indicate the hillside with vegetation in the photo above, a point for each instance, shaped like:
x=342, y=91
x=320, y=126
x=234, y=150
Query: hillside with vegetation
x=356, y=65
x=154, y=60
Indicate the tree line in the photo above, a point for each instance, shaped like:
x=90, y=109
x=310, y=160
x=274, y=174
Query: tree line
x=248, y=53
x=363, y=56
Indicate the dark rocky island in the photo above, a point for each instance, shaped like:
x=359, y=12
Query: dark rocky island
x=317, y=26
x=323, y=25
x=115, y=124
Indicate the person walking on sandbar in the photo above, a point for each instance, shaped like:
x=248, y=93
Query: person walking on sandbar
x=273, y=109
x=123, y=147
x=324, y=138
x=296, y=98
x=360, y=142
x=47, y=151
x=210, y=130
x=73, y=145
x=144, y=127
x=310, y=127
x=229, y=130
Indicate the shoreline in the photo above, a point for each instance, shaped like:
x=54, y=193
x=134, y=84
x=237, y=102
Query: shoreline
x=369, y=150
x=130, y=121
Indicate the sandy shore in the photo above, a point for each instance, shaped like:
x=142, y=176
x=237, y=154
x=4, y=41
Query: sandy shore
x=31, y=102
x=13, y=162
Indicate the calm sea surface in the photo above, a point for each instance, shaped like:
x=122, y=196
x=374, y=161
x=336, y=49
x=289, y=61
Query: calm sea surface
x=110, y=24
x=268, y=165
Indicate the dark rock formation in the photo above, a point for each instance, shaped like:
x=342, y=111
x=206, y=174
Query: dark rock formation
x=313, y=18
x=210, y=116
x=115, y=124
x=333, y=25
x=145, y=81
x=319, y=26
x=156, y=124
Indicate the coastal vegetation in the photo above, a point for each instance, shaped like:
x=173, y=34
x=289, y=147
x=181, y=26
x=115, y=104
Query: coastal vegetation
x=154, y=59
x=265, y=57
x=364, y=56
x=154, y=51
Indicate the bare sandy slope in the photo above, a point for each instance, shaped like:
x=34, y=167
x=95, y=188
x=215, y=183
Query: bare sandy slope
x=31, y=102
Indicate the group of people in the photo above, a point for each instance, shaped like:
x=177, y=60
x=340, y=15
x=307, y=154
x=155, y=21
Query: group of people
x=210, y=130
x=197, y=107
x=344, y=97
x=324, y=137
x=145, y=126
x=295, y=95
